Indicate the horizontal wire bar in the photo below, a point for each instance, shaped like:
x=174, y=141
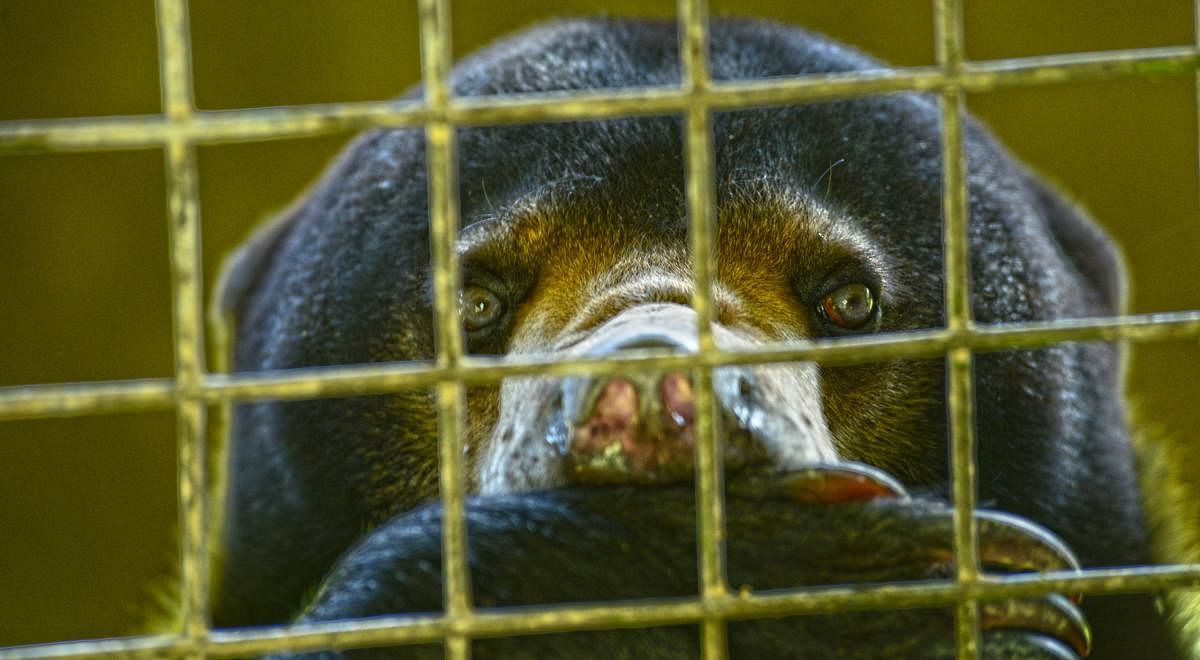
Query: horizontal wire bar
x=147, y=131
x=88, y=398
x=71, y=399
x=149, y=646
x=411, y=629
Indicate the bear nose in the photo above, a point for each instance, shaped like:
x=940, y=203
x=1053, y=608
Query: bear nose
x=639, y=427
x=633, y=430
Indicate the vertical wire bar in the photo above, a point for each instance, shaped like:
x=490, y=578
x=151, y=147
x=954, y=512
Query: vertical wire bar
x=1188, y=632
x=1196, y=40
x=710, y=516
x=186, y=272
x=960, y=394
x=962, y=422
x=443, y=232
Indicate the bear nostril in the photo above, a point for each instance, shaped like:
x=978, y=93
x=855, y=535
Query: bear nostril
x=745, y=389
x=678, y=399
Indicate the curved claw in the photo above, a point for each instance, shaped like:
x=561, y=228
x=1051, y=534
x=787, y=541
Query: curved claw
x=1052, y=615
x=824, y=483
x=1015, y=545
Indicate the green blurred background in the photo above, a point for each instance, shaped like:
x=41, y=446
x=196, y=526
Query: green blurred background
x=87, y=506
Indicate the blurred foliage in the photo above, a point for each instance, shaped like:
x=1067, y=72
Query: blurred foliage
x=89, y=512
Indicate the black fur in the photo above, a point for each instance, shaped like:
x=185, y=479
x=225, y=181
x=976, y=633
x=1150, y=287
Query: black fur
x=344, y=278
x=532, y=550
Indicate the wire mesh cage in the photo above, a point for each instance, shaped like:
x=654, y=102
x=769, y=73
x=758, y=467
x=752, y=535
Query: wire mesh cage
x=193, y=389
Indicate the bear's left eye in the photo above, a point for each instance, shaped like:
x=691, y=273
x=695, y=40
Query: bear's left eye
x=479, y=307
x=849, y=307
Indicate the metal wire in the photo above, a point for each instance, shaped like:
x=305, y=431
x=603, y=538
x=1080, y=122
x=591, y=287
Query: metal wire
x=443, y=233
x=412, y=629
x=710, y=506
x=223, y=126
x=960, y=381
x=180, y=127
x=183, y=220
x=66, y=400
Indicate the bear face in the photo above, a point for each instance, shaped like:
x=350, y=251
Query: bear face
x=574, y=242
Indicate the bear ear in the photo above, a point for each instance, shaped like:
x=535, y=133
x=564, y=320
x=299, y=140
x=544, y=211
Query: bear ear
x=241, y=275
x=1093, y=254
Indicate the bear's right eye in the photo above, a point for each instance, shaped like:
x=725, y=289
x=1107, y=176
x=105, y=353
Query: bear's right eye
x=849, y=307
x=478, y=308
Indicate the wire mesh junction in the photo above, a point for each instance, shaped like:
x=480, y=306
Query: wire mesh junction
x=180, y=127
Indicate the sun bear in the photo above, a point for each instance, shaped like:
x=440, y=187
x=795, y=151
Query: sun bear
x=574, y=241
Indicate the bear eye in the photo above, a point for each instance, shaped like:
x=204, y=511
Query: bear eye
x=479, y=307
x=849, y=307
